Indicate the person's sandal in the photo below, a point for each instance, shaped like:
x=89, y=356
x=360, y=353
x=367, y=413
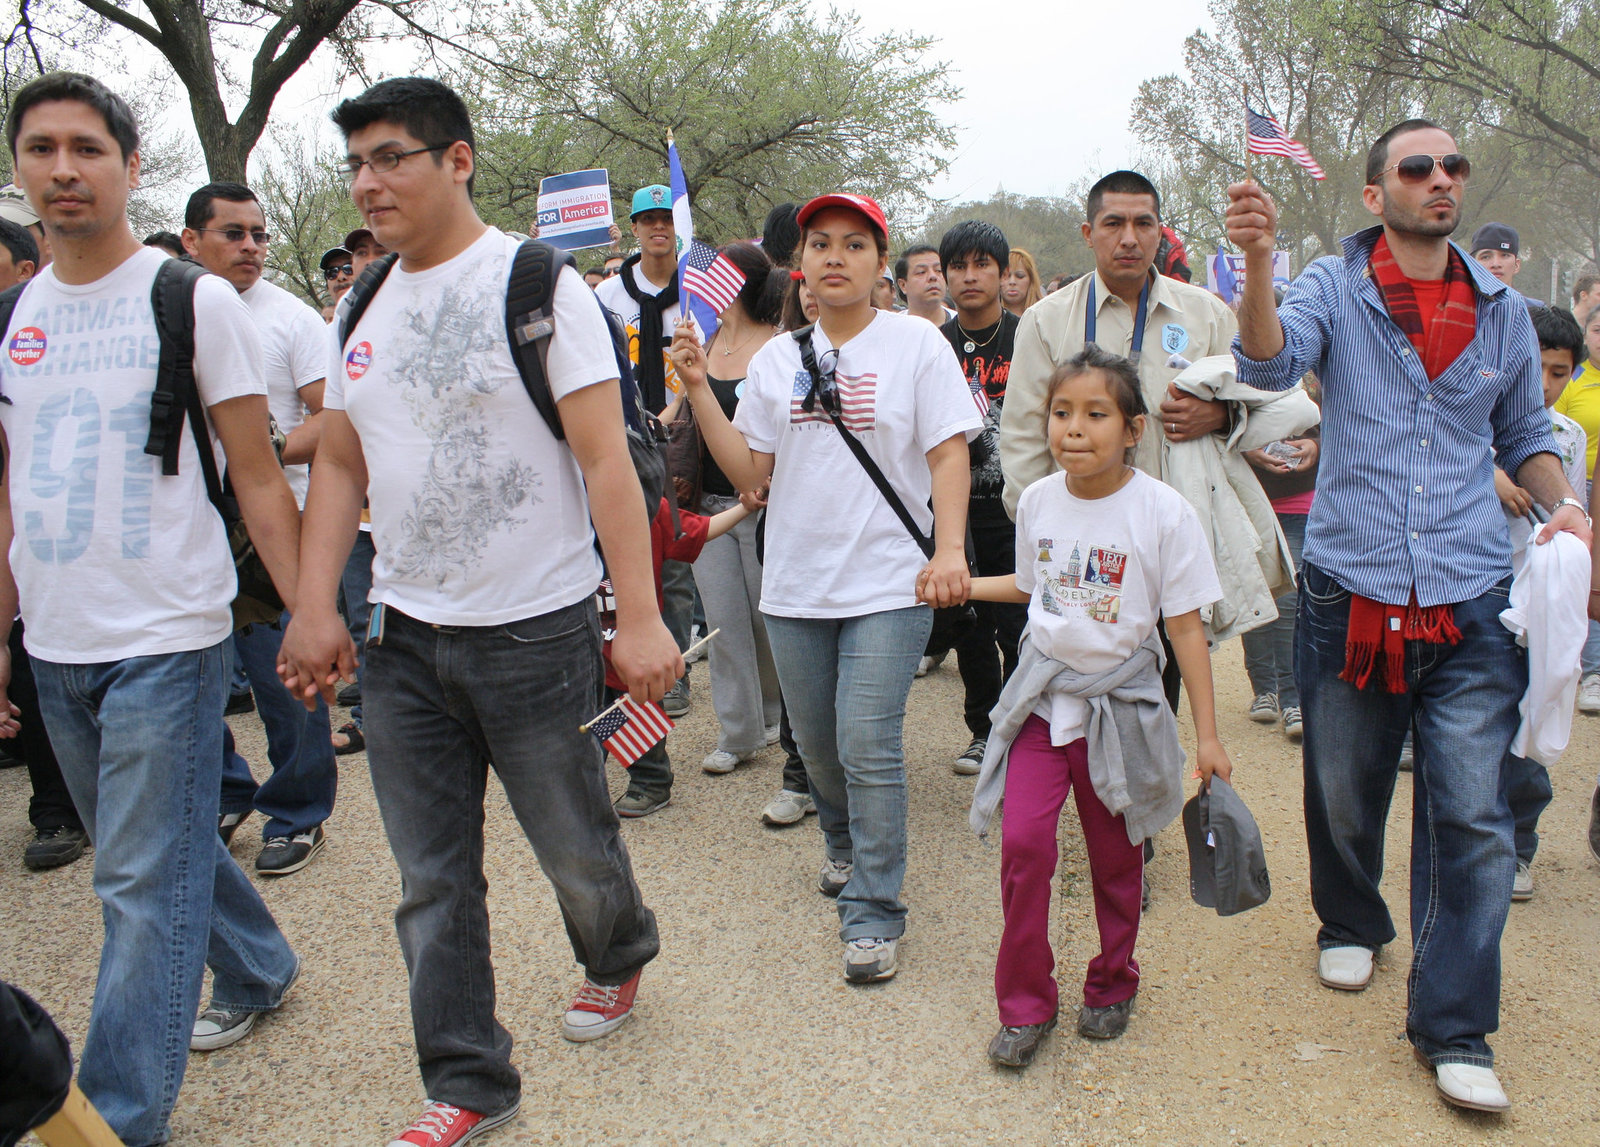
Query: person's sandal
x=354, y=742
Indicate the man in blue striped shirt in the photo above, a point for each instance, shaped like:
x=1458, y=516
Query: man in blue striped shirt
x=1426, y=362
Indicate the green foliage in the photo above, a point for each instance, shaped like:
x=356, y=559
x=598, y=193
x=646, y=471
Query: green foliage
x=1047, y=227
x=769, y=102
x=308, y=210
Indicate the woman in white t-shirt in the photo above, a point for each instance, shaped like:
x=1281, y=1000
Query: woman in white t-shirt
x=838, y=589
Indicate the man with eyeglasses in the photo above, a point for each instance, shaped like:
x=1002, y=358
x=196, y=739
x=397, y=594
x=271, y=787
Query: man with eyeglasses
x=337, y=272
x=225, y=232
x=1425, y=360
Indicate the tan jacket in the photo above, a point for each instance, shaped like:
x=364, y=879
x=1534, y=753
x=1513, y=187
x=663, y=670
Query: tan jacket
x=1181, y=319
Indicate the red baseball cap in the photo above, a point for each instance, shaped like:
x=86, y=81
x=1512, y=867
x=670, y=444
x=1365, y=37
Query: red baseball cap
x=867, y=206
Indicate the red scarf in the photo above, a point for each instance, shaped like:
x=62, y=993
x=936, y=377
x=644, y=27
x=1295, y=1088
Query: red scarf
x=1440, y=338
x=1375, y=628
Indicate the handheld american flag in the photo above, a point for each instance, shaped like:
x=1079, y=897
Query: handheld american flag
x=690, y=302
x=1265, y=136
x=629, y=730
x=711, y=275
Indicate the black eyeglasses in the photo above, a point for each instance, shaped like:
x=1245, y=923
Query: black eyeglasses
x=237, y=234
x=1416, y=168
x=336, y=271
x=827, y=385
x=382, y=163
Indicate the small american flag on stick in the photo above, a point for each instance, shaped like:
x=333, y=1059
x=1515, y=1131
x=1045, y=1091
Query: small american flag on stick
x=1265, y=136
x=711, y=275
x=628, y=730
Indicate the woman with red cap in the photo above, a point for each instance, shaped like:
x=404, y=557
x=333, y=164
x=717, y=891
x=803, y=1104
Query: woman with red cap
x=860, y=423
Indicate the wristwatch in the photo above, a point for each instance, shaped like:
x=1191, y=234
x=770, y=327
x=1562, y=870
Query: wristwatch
x=1582, y=509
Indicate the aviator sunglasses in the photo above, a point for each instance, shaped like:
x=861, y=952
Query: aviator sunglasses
x=1416, y=168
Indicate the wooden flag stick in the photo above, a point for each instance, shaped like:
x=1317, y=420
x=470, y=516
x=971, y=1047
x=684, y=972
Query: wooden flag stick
x=617, y=704
x=1245, y=89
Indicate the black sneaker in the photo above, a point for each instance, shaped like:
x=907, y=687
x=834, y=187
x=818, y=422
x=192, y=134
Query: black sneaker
x=228, y=823
x=1016, y=1046
x=282, y=855
x=219, y=1027
x=349, y=696
x=53, y=847
x=676, y=703
x=970, y=762
x=240, y=703
x=1107, y=1022
x=636, y=803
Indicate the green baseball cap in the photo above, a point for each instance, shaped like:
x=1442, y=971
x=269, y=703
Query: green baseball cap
x=653, y=198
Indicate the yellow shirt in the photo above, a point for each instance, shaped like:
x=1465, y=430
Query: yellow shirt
x=1180, y=319
x=1580, y=401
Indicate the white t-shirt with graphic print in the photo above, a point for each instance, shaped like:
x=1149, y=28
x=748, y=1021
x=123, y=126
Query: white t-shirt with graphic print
x=1102, y=572
x=112, y=558
x=479, y=515
x=294, y=346
x=834, y=548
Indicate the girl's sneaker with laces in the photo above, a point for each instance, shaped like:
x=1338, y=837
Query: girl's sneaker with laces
x=599, y=1010
x=441, y=1125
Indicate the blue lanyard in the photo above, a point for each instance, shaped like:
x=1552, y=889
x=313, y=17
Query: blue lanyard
x=1138, y=320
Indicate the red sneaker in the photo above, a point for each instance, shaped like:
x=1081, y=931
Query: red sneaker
x=442, y=1125
x=599, y=1010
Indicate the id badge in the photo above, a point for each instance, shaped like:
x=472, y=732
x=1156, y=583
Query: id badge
x=375, y=623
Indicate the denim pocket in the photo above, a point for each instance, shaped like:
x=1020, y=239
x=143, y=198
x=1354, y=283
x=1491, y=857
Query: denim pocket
x=562, y=625
x=1320, y=588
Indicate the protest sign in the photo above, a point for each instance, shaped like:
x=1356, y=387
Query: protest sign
x=1225, y=274
x=575, y=209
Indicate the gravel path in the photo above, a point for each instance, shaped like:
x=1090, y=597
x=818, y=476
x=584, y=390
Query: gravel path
x=746, y=1033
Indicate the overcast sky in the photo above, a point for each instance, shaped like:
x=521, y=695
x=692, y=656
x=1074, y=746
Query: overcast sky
x=1047, y=85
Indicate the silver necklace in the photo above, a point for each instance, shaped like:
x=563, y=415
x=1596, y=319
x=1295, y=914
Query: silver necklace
x=971, y=345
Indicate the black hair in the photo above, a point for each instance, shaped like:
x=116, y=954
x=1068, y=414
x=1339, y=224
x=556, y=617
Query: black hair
x=1118, y=183
x=199, y=211
x=167, y=241
x=600, y=270
x=903, y=263
x=1378, y=153
x=19, y=241
x=761, y=297
x=428, y=110
x=1558, y=330
x=1122, y=379
x=975, y=237
x=79, y=88
x=794, y=315
x=780, y=234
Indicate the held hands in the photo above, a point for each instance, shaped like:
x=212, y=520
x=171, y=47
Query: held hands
x=1211, y=760
x=945, y=581
x=753, y=500
x=1252, y=219
x=647, y=659
x=316, y=655
x=688, y=355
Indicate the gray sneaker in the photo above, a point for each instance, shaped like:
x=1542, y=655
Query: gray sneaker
x=834, y=876
x=220, y=1027
x=788, y=808
x=1293, y=726
x=636, y=803
x=1522, y=886
x=676, y=702
x=54, y=847
x=1264, y=709
x=869, y=959
x=970, y=762
x=1016, y=1046
x=1105, y=1023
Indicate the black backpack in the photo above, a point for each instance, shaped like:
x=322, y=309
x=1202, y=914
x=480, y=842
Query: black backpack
x=174, y=398
x=529, y=325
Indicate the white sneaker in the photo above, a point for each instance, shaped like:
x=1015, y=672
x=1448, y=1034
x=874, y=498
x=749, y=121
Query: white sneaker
x=699, y=654
x=869, y=959
x=834, y=876
x=1349, y=968
x=923, y=666
x=1589, y=693
x=788, y=808
x=1472, y=1087
x=1522, y=886
x=774, y=732
x=720, y=761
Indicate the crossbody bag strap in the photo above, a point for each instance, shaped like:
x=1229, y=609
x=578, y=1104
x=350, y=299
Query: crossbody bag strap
x=808, y=359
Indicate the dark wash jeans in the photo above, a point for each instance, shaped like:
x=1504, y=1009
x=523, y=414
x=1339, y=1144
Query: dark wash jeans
x=443, y=702
x=1461, y=700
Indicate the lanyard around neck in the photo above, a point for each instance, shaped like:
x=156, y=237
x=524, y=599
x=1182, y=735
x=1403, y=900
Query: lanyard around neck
x=1089, y=320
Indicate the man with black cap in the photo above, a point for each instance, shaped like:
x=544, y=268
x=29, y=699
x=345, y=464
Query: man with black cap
x=363, y=249
x=1497, y=247
x=337, y=271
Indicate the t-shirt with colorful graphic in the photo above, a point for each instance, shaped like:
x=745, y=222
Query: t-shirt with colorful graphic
x=834, y=548
x=112, y=558
x=986, y=367
x=479, y=516
x=1102, y=572
x=615, y=296
x=1574, y=447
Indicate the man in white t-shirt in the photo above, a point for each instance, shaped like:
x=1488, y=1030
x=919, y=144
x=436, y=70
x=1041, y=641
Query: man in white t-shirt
x=484, y=643
x=225, y=231
x=125, y=578
x=919, y=277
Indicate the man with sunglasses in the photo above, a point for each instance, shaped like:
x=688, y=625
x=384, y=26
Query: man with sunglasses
x=1425, y=358
x=225, y=232
x=337, y=272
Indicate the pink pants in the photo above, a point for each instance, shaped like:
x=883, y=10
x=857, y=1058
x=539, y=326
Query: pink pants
x=1038, y=777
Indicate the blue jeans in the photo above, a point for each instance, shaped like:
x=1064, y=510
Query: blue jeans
x=1269, y=651
x=1461, y=701
x=140, y=746
x=298, y=796
x=1529, y=793
x=845, y=682
x=445, y=702
x=354, y=586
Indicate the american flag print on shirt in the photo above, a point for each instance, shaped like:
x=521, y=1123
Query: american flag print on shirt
x=631, y=730
x=858, y=401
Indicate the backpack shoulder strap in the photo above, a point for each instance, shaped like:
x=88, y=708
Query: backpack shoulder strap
x=172, y=303
x=8, y=305
x=361, y=292
x=530, y=321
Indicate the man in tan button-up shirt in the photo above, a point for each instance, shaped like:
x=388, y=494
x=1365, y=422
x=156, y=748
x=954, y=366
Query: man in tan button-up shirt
x=1124, y=229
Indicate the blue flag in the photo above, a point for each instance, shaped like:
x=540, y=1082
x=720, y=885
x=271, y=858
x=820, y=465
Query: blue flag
x=683, y=222
x=1227, y=286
